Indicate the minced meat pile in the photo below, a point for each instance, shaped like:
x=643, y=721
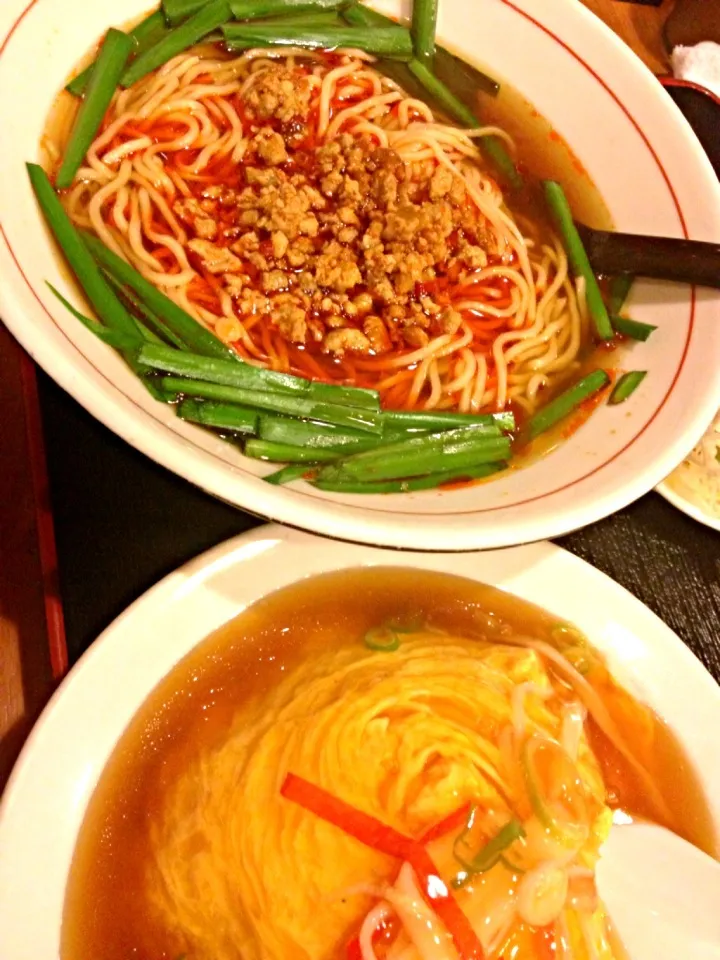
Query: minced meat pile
x=333, y=243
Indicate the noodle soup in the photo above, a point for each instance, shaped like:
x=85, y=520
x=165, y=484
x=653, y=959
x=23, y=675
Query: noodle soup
x=325, y=223
x=365, y=241
x=284, y=788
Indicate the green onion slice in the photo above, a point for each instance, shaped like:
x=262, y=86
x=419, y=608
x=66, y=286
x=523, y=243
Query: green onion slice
x=619, y=290
x=633, y=329
x=626, y=386
x=488, y=855
x=577, y=255
x=573, y=645
x=293, y=471
x=383, y=639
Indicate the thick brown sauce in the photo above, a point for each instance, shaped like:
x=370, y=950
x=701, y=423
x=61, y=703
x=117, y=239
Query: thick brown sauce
x=192, y=709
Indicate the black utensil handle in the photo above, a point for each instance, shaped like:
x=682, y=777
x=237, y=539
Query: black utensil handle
x=686, y=261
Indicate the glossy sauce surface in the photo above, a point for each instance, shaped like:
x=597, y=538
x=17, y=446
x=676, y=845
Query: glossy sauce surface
x=192, y=710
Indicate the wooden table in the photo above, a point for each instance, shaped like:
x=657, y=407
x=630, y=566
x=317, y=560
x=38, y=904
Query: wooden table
x=31, y=645
x=31, y=635
x=640, y=27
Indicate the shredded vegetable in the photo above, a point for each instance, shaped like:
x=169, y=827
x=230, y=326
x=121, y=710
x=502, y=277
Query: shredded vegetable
x=369, y=831
x=422, y=925
x=375, y=834
x=486, y=858
x=600, y=715
x=373, y=922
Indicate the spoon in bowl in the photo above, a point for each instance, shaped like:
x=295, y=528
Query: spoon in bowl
x=663, y=258
x=661, y=892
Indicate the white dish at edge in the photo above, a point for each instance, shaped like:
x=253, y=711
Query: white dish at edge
x=686, y=506
x=46, y=798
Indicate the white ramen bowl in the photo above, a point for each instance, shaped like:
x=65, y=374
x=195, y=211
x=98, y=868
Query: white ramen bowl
x=50, y=788
x=620, y=123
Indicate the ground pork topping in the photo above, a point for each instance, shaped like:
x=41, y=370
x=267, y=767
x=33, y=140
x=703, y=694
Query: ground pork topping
x=279, y=93
x=335, y=244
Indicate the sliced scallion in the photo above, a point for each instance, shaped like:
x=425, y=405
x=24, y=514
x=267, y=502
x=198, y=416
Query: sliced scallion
x=566, y=403
x=424, y=23
x=409, y=485
x=208, y=18
x=145, y=35
x=381, y=639
x=105, y=303
x=293, y=471
x=392, y=42
x=305, y=433
x=460, y=77
x=110, y=63
x=464, y=79
x=620, y=287
x=221, y=416
x=285, y=453
x=119, y=339
x=633, y=329
x=489, y=854
x=193, y=334
x=253, y=9
x=493, y=146
x=178, y=10
x=421, y=455
x=221, y=371
x=626, y=386
x=162, y=332
x=440, y=420
x=126, y=343
x=347, y=396
x=294, y=405
x=562, y=216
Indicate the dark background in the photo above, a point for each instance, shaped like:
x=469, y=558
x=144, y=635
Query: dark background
x=122, y=523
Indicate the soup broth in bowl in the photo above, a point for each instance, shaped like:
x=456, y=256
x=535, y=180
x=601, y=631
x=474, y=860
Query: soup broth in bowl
x=302, y=781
